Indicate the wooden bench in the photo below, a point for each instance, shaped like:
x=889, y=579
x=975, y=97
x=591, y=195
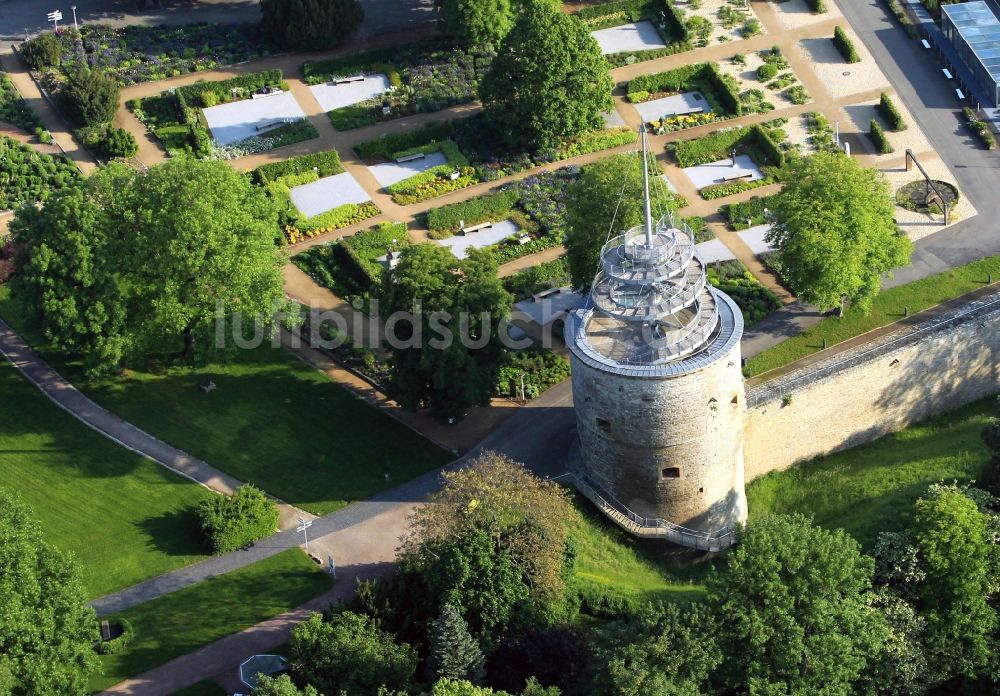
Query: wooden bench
x=347, y=80
x=476, y=228
x=410, y=158
x=737, y=177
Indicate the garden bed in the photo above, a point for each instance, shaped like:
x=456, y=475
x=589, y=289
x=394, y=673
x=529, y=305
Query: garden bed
x=753, y=298
x=544, y=276
x=419, y=77
x=351, y=267
x=721, y=95
x=759, y=143
x=540, y=369
x=14, y=110
x=667, y=23
x=27, y=176
x=741, y=216
x=178, y=117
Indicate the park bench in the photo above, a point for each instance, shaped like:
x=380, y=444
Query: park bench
x=265, y=92
x=960, y=94
x=539, y=296
x=476, y=228
x=410, y=158
x=348, y=80
x=737, y=176
x=207, y=387
x=523, y=238
x=947, y=73
x=269, y=125
x=692, y=110
x=925, y=42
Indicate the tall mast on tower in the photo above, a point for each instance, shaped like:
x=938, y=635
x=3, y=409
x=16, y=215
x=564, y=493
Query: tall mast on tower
x=647, y=207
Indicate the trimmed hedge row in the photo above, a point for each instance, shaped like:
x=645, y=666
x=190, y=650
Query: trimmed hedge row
x=386, y=146
x=844, y=44
x=490, y=207
x=355, y=252
x=719, y=145
x=816, y=6
x=326, y=163
x=688, y=77
x=232, y=522
x=222, y=90
x=890, y=113
x=378, y=60
x=878, y=137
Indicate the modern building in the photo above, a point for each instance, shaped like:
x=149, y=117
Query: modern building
x=658, y=389
x=974, y=31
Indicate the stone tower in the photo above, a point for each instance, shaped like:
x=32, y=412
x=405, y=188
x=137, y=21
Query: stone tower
x=658, y=389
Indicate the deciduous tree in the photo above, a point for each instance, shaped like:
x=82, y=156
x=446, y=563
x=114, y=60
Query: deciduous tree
x=46, y=628
x=476, y=22
x=835, y=232
x=311, y=25
x=281, y=686
x=548, y=82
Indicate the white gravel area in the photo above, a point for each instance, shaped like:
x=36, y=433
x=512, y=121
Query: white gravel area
x=389, y=173
x=753, y=237
x=859, y=118
x=714, y=251
x=794, y=14
x=710, y=10
x=842, y=79
x=798, y=134
x=704, y=175
x=239, y=120
x=332, y=97
x=612, y=119
x=638, y=36
x=746, y=77
x=657, y=109
x=670, y=186
x=917, y=225
x=461, y=243
x=327, y=193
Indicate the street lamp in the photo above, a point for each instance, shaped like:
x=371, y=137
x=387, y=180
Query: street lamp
x=75, y=25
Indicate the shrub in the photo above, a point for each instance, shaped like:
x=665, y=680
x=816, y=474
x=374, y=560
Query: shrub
x=119, y=643
x=878, y=137
x=816, y=5
x=387, y=145
x=766, y=71
x=311, y=26
x=222, y=91
x=232, y=522
x=845, y=45
x=91, y=98
x=755, y=300
x=43, y=51
x=979, y=128
x=541, y=369
x=890, y=113
x=529, y=281
x=325, y=163
x=492, y=207
x=753, y=210
x=107, y=141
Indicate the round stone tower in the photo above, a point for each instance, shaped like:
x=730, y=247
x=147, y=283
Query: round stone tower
x=658, y=389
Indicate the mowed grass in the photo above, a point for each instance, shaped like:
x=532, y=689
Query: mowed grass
x=272, y=421
x=872, y=488
x=611, y=562
x=184, y=621
x=889, y=306
x=125, y=518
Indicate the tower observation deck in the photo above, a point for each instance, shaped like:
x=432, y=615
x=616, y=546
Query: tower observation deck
x=657, y=386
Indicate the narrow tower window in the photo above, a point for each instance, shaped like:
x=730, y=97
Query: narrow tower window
x=672, y=472
x=604, y=425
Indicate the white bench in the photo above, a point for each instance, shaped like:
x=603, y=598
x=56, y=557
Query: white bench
x=271, y=93
x=736, y=177
x=269, y=125
x=959, y=94
x=947, y=73
x=476, y=228
x=347, y=80
x=410, y=158
x=925, y=43
x=688, y=112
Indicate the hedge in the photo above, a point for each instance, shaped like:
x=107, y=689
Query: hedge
x=326, y=163
x=232, y=522
x=704, y=75
x=317, y=71
x=753, y=210
x=890, y=113
x=195, y=94
x=816, y=5
x=878, y=137
x=720, y=144
x=355, y=253
x=980, y=129
x=529, y=281
x=387, y=145
x=485, y=208
x=119, y=643
x=731, y=188
x=845, y=45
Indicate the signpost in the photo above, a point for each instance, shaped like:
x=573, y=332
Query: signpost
x=54, y=17
x=331, y=566
x=303, y=527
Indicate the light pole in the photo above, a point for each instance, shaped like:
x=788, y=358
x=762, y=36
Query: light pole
x=75, y=25
x=837, y=135
x=303, y=527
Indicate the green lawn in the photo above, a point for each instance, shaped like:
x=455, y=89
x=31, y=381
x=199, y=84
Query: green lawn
x=889, y=306
x=872, y=488
x=611, y=562
x=125, y=518
x=273, y=421
x=180, y=623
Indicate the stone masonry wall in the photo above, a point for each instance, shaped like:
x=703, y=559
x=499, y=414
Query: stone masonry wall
x=876, y=389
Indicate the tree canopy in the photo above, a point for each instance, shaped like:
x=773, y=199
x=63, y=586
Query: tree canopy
x=454, y=653
x=311, y=25
x=449, y=355
x=46, y=628
x=91, y=97
x=835, y=232
x=793, y=609
x=137, y=264
x=475, y=22
x=548, y=82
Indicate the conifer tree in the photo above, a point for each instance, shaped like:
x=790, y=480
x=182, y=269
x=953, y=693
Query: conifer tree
x=455, y=654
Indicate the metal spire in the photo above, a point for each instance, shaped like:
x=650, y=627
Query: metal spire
x=647, y=206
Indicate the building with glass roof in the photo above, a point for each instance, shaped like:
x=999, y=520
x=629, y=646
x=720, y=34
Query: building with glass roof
x=974, y=31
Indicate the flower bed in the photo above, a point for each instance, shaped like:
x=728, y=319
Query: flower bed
x=27, y=176
x=541, y=369
x=756, y=141
x=13, y=109
x=349, y=267
x=731, y=188
x=445, y=221
x=737, y=214
x=755, y=300
x=422, y=79
x=322, y=163
x=720, y=90
x=137, y=54
x=674, y=31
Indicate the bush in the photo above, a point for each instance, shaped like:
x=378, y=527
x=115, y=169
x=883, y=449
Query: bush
x=492, y=207
x=392, y=143
x=878, y=137
x=766, y=71
x=13, y=108
x=753, y=210
x=887, y=109
x=91, y=98
x=816, y=6
x=755, y=300
x=325, y=163
x=43, y=51
x=529, y=281
x=107, y=141
x=700, y=76
x=845, y=45
x=541, y=369
x=311, y=26
x=222, y=91
x=119, y=643
x=232, y=522
x=979, y=128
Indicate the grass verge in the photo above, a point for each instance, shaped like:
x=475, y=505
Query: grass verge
x=889, y=306
x=871, y=488
x=125, y=518
x=272, y=421
x=184, y=621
